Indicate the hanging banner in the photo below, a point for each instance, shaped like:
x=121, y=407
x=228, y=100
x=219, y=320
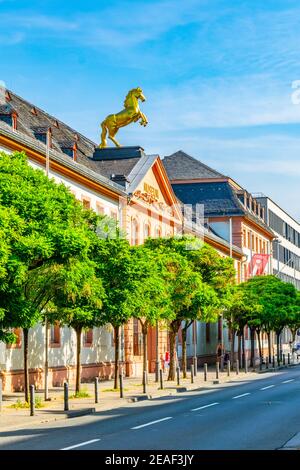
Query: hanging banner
x=258, y=264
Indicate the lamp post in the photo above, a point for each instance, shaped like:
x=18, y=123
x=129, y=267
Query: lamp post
x=195, y=348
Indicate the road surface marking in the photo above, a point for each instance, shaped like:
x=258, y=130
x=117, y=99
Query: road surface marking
x=239, y=396
x=151, y=422
x=287, y=381
x=82, y=444
x=205, y=406
x=266, y=388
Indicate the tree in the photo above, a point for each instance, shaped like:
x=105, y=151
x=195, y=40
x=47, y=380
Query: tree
x=78, y=303
x=278, y=300
x=115, y=267
x=216, y=274
x=53, y=227
x=151, y=302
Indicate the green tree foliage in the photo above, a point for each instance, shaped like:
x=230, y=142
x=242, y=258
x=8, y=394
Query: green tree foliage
x=52, y=227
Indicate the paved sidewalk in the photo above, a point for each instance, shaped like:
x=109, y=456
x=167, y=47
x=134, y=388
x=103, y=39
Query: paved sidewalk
x=110, y=399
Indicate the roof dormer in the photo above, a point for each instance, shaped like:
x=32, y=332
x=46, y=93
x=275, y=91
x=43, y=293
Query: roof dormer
x=43, y=134
x=69, y=148
x=9, y=115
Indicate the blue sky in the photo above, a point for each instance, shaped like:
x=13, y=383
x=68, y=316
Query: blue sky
x=217, y=76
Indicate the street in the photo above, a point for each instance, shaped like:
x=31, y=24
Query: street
x=259, y=414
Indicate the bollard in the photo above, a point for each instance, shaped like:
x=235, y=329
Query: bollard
x=267, y=362
x=161, y=379
x=246, y=365
x=260, y=363
x=195, y=366
x=192, y=373
x=96, y=381
x=121, y=386
x=144, y=382
x=273, y=361
x=217, y=370
x=283, y=359
x=237, y=367
x=66, y=396
x=31, y=391
x=278, y=360
x=205, y=372
x=228, y=368
x=178, y=375
x=289, y=359
x=0, y=395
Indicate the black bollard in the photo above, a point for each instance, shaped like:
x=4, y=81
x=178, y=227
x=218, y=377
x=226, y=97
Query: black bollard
x=31, y=390
x=205, y=372
x=289, y=359
x=121, y=386
x=66, y=396
x=161, y=377
x=192, y=373
x=260, y=363
x=228, y=368
x=222, y=363
x=283, y=359
x=237, y=367
x=217, y=370
x=96, y=382
x=144, y=382
x=178, y=375
x=267, y=362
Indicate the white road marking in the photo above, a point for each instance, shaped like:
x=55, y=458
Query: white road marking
x=239, y=396
x=205, y=406
x=287, y=381
x=151, y=422
x=266, y=388
x=80, y=445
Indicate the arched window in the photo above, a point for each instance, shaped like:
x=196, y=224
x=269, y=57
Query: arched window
x=146, y=231
x=157, y=232
x=134, y=232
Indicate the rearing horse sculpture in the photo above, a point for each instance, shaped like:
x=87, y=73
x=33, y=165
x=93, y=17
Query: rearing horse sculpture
x=131, y=113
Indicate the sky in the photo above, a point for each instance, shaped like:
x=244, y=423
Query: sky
x=221, y=77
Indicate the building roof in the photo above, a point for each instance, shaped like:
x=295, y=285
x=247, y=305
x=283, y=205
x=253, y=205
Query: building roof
x=181, y=166
x=218, y=198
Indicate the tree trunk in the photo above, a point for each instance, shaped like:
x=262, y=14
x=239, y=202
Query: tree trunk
x=145, y=346
x=78, y=359
x=269, y=346
x=239, y=347
x=184, y=361
x=232, y=346
x=278, y=346
x=259, y=344
x=243, y=349
x=174, y=327
x=116, y=379
x=252, y=338
x=26, y=370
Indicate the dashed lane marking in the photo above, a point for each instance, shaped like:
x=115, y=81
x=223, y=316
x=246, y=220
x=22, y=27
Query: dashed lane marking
x=240, y=396
x=266, y=388
x=81, y=444
x=152, y=422
x=205, y=406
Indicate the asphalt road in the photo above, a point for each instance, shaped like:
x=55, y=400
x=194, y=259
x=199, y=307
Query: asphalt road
x=259, y=414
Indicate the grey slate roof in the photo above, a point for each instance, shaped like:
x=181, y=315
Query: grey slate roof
x=180, y=165
x=218, y=198
x=32, y=120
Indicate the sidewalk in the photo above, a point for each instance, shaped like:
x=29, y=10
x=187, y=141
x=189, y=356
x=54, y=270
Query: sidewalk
x=109, y=399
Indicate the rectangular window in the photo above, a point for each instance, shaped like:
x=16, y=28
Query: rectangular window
x=86, y=203
x=55, y=335
x=113, y=214
x=88, y=337
x=99, y=209
x=137, y=339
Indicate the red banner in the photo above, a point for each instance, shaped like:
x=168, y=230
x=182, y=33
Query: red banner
x=258, y=264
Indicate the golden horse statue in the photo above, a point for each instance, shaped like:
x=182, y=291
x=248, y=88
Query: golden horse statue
x=131, y=113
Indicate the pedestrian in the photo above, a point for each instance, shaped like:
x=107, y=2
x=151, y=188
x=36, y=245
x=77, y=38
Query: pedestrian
x=167, y=361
